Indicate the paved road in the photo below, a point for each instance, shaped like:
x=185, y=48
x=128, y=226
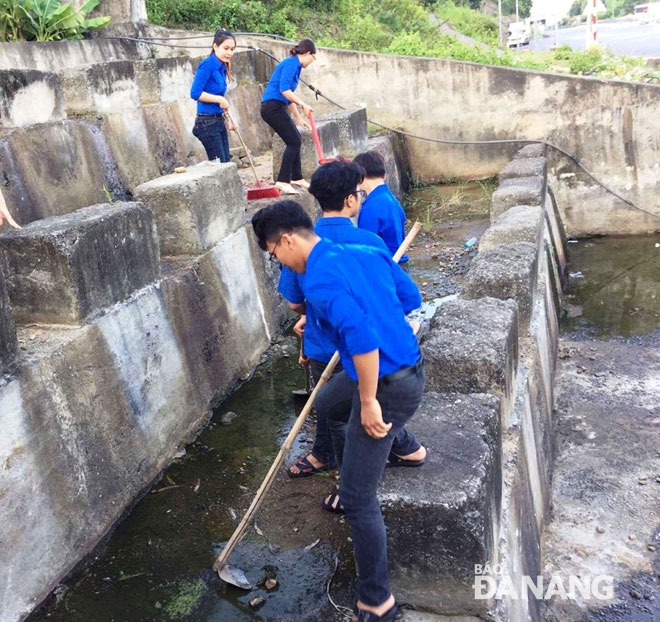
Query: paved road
x=624, y=38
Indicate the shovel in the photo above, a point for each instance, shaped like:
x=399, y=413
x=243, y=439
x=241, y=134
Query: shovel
x=232, y=574
x=300, y=393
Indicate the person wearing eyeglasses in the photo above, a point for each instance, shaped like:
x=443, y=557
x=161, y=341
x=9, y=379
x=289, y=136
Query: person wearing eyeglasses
x=381, y=212
x=335, y=186
x=277, y=102
x=362, y=296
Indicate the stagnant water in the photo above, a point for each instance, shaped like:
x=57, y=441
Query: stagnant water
x=157, y=563
x=614, y=286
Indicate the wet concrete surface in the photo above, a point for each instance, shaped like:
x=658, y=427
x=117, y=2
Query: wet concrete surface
x=606, y=486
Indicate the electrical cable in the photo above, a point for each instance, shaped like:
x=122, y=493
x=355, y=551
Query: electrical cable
x=443, y=141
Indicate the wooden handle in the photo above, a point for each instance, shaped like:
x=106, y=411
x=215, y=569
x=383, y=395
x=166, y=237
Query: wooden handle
x=254, y=170
x=239, y=532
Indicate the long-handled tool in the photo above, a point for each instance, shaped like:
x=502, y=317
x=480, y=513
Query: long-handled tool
x=230, y=573
x=317, y=141
x=260, y=190
x=300, y=393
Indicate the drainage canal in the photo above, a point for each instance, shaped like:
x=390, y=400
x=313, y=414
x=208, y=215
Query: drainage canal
x=156, y=565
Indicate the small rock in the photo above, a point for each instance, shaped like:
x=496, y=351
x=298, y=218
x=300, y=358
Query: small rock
x=635, y=594
x=271, y=584
x=651, y=547
x=600, y=529
x=257, y=602
x=657, y=479
x=643, y=480
x=632, y=536
x=228, y=417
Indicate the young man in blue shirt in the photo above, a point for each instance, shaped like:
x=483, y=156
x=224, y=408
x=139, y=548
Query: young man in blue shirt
x=363, y=296
x=381, y=212
x=335, y=187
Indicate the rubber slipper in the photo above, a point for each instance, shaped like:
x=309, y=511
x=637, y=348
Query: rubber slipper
x=368, y=616
x=306, y=468
x=397, y=461
x=333, y=504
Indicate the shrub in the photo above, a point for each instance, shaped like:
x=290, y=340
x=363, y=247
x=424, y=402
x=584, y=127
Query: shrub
x=46, y=20
x=563, y=52
x=586, y=62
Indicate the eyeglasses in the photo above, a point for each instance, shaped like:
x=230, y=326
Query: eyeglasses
x=358, y=193
x=271, y=254
x=313, y=55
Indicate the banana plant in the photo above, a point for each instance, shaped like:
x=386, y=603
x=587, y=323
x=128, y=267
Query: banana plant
x=11, y=19
x=50, y=20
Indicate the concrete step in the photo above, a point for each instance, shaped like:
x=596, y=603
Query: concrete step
x=507, y=271
x=8, y=344
x=343, y=133
x=472, y=347
x=195, y=209
x=442, y=517
x=65, y=268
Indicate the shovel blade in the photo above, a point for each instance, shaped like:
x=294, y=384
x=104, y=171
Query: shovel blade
x=235, y=576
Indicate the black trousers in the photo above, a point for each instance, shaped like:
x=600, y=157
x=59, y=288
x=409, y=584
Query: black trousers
x=275, y=113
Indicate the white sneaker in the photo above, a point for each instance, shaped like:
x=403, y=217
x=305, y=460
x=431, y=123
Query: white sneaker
x=301, y=183
x=285, y=188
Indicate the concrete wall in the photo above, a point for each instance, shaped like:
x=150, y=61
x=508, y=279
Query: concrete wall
x=76, y=135
x=613, y=127
x=484, y=495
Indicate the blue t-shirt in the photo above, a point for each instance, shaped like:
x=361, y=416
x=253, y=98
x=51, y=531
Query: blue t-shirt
x=285, y=77
x=211, y=77
x=319, y=343
x=382, y=214
x=364, y=296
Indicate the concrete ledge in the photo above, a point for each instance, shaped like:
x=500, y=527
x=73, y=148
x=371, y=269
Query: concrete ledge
x=506, y=271
x=524, y=167
x=196, y=209
x=531, y=151
x=472, y=347
x=452, y=502
x=397, y=167
x=8, y=343
x=517, y=191
x=522, y=223
x=63, y=269
x=28, y=97
x=343, y=133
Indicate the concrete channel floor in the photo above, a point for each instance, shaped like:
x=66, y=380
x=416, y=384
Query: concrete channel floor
x=606, y=487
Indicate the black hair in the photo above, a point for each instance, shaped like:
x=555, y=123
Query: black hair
x=281, y=217
x=302, y=47
x=372, y=163
x=331, y=183
x=219, y=37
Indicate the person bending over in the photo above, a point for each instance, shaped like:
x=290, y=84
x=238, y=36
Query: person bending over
x=362, y=295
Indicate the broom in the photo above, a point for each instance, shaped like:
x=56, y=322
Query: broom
x=232, y=574
x=260, y=190
x=317, y=142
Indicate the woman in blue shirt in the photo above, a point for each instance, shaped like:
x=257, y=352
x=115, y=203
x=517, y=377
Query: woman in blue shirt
x=208, y=89
x=276, y=98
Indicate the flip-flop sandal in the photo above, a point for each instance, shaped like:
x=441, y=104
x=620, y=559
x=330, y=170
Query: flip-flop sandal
x=368, y=616
x=306, y=468
x=397, y=461
x=333, y=504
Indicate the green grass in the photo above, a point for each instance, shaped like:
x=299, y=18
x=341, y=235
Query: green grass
x=390, y=26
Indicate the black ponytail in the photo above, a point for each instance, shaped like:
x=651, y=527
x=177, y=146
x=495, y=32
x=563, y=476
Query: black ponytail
x=302, y=47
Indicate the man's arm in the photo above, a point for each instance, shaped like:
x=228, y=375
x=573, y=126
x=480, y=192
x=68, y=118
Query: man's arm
x=406, y=289
x=371, y=415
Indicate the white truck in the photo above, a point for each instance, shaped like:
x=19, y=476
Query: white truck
x=647, y=13
x=519, y=34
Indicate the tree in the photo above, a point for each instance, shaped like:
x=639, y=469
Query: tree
x=576, y=8
x=524, y=7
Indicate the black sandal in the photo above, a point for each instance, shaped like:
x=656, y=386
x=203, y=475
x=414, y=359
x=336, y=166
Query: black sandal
x=306, y=468
x=369, y=616
x=333, y=504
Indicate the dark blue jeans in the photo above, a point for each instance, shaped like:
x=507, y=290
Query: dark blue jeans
x=333, y=406
x=211, y=131
x=361, y=471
